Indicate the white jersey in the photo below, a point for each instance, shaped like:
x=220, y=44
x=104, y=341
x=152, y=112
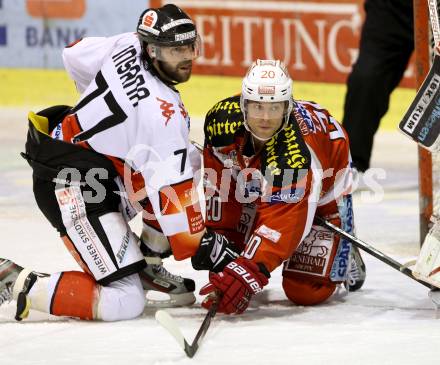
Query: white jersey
x=129, y=115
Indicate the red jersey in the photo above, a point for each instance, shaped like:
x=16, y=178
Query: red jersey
x=266, y=202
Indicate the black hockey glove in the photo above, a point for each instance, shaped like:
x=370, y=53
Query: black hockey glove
x=214, y=253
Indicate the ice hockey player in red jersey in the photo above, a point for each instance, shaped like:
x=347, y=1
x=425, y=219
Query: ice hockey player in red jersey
x=123, y=148
x=271, y=164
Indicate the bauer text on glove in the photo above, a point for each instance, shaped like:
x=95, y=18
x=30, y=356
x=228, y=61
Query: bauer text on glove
x=235, y=286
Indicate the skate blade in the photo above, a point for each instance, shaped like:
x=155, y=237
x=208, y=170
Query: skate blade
x=173, y=300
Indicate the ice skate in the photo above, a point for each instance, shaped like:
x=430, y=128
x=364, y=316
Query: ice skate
x=156, y=278
x=8, y=275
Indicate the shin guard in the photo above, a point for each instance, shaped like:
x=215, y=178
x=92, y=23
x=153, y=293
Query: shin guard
x=75, y=295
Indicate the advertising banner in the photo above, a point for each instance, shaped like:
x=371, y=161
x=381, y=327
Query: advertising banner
x=317, y=39
x=34, y=32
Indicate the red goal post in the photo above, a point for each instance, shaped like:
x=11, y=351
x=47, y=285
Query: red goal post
x=429, y=169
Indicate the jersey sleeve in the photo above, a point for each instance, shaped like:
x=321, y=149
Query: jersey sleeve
x=331, y=146
x=84, y=58
x=167, y=169
x=339, y=182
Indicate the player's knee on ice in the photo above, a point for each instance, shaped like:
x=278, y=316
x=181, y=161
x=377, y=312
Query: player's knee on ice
x=307, y=291
x=76, y=294
x=122, y=299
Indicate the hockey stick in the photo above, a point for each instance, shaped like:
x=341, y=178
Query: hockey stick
x=198, y=146
x=169, y=323
x=370, y=249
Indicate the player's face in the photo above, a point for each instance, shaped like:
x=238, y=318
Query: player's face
x=179, y=72
x=265, y=118
x=176, y=62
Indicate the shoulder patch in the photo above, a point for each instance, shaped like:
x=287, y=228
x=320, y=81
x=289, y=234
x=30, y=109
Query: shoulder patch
x=222, y=122
x=305, y=122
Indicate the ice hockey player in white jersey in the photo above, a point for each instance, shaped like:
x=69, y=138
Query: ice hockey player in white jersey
x=121, y=149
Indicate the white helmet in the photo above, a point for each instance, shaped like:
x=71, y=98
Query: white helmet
x=267, y=81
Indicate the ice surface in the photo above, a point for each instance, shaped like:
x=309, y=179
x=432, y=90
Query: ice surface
x=390, y=321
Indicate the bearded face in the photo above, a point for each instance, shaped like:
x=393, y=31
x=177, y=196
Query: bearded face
x=175, y=62
x=180, y=72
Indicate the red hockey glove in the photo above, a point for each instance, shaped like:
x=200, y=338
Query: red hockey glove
x=235, y=285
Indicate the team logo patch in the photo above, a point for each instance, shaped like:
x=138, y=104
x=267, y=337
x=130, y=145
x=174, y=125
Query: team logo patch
x=313, y=254
x=167, y=109
x=195, y=220
x=252, y=187
x=58, y=132
x=185, y=36
x=64, y=196
x=148, y=22
x=149, y=19
x=304, y=121
x=342, y=258
x=287, y=196
x=266, y=90
x=123, y=248
x=268, y=233
x=175, y=23
x=245, y=219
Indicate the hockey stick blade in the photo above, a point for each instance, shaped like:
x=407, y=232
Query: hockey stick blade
x=168, y=323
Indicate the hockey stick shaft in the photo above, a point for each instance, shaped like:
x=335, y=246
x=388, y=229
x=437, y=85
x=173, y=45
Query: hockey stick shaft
x=370, y=249
x=190, y=350
x=198, y=146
